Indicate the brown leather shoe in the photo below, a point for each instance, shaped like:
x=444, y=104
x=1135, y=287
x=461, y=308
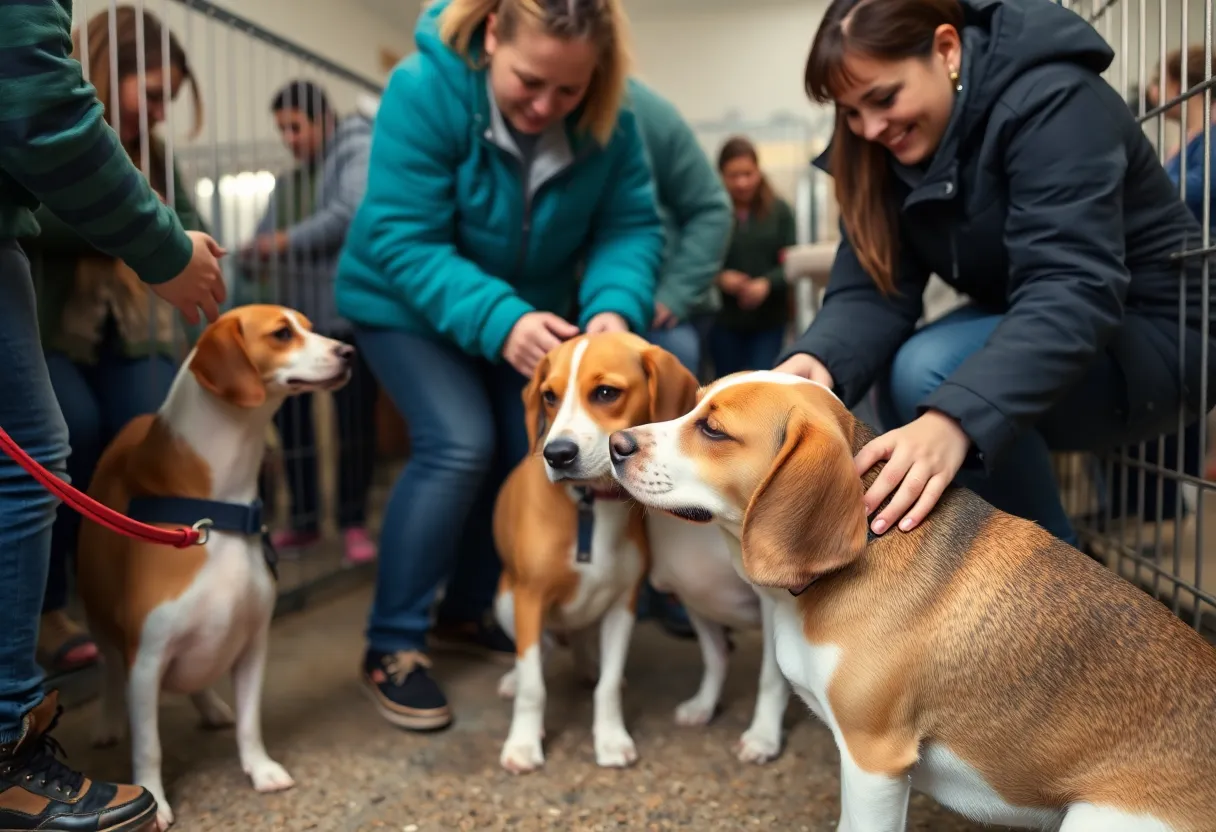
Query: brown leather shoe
x=38, y=792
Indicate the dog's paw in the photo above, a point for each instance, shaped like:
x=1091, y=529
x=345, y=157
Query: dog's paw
x=269, y=776
x=614, y=748
x=694, y=712
x=522, y=756
x=164, y=816
x=506, y=685
x=757, y=747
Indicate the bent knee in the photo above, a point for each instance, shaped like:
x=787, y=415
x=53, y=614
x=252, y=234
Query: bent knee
x=22, y=498
x=467, y=453
x=919, y=368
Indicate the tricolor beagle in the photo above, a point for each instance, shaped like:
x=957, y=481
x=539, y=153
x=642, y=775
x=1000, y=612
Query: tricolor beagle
x=177, y=620
x=976, y=658
x=574, y=551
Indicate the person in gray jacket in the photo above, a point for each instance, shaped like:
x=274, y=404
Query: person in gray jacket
x=293, y=258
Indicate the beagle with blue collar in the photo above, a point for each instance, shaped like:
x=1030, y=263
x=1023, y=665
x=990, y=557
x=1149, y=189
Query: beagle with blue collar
x=178, y=620
x=976, y=658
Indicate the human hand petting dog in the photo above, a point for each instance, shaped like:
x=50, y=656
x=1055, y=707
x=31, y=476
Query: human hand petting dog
x=200, y=284
x=533, y=335
x=922, y=458
x=607, y=322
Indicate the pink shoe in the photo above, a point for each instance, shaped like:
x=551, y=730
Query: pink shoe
x=289, y=539
x=359, y=547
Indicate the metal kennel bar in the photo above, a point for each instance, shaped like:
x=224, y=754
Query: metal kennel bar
x=1144, y=509
x=223, y=174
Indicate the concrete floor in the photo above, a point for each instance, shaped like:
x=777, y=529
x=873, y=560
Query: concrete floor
x=353, y=772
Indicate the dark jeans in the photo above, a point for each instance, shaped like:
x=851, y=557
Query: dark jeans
x=97, y=401
x=734, y=351
x=32, y=417
x=466, y=425
x=355, y=410
x=1023, y=483
x=686, y=341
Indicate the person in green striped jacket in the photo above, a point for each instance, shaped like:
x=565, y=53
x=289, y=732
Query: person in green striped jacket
x=57, y=150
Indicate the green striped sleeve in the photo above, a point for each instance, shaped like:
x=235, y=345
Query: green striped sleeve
x=56, y=145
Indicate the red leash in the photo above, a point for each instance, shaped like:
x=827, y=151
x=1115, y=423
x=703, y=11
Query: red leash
x=95, y=511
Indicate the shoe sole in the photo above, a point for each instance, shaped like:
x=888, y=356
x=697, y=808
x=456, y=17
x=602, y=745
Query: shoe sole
x=408, y=718
x=144, y=823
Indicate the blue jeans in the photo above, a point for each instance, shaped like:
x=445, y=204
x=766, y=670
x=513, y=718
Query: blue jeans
x=32, y=417
x=734, y=352
x=1023, y=482
x=97, y=401
x=466, y=424
x=684, y=340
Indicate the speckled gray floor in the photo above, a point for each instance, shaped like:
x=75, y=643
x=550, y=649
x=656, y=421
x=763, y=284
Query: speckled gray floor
x=356, y=773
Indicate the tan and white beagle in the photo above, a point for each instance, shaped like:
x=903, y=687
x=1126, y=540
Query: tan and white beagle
x=178, y=620
x=977, y=658
x=574, y=552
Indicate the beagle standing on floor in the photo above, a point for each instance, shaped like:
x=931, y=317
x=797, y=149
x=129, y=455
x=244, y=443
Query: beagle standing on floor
x=574, y=552
x=178, y=620
x=976, y=658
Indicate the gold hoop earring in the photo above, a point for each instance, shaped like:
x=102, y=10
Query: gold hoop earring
x=954, y=79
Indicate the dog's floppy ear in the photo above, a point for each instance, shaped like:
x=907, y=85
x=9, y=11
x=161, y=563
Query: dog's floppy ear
x=806, y=518
x=534, y=409
x=673, y=390
x=222, y=364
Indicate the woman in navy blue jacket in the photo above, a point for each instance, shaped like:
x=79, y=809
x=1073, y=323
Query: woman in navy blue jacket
x=976, y=139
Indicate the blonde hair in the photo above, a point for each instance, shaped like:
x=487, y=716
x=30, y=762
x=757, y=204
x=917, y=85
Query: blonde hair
x=126, y=20
x=603, y=22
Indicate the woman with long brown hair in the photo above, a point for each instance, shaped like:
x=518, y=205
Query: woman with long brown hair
x=110, y=343
x=976, y=139
x=750, y=327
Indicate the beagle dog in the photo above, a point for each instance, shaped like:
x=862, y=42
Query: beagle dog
x=976, y=658
x=574, y=551
x=177, y=620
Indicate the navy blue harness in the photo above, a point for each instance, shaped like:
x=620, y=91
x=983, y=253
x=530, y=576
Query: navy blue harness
x=586, y=524
x=239, y=518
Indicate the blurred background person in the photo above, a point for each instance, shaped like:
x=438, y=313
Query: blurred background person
x=112, y=346
x=293, y=258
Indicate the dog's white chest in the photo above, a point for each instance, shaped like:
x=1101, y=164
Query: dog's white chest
x=614, y=567
x=807, y=667
x=204, y=630
x=694, y=561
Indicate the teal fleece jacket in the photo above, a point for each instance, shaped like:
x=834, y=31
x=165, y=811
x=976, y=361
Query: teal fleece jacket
x=451, y=242
x=693, y=204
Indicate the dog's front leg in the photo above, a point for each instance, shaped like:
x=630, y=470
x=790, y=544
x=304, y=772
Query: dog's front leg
x=522, y=751
x=143, y=709
x=247, y=678
x=711, y=635
x=761, y=742
x=613, y=745
x=870, y=801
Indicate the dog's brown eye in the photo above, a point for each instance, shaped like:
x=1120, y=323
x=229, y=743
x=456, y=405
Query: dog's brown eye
x=709, y=432
x=605, y=394
x=550, y=397
x=283, y=333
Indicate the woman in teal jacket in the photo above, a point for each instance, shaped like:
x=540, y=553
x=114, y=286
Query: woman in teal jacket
x=509, y=206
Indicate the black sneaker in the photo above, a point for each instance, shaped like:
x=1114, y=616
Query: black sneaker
x=483, y=637
x=404, y=692
x=37, y=791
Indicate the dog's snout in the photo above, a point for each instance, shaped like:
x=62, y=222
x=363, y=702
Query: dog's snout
x=344, y=351
x=622, y=445
x=560, y=453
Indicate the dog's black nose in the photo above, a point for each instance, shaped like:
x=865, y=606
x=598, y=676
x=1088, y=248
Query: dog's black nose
x=560, y=453
x=344, y=351
x=622, y=445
